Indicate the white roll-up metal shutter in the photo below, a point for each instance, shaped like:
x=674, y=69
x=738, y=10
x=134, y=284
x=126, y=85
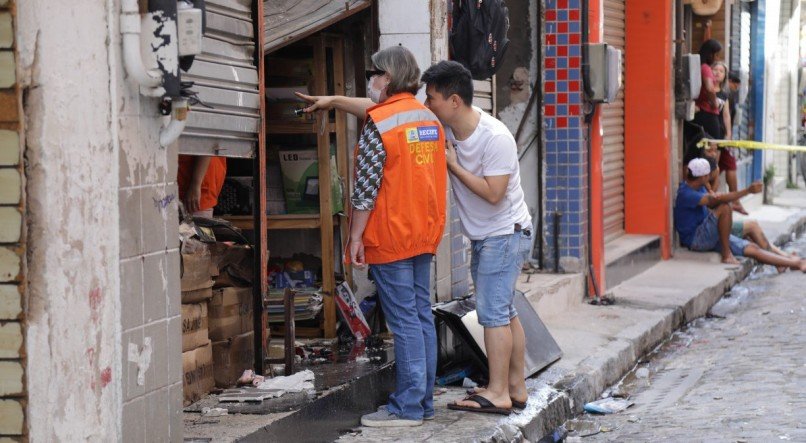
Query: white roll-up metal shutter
x=613, y=128
x=484, y=95
x=226, y=79
x=784, y=121
x=740, y=64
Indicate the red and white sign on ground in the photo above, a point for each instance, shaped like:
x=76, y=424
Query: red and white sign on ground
x=351, y=312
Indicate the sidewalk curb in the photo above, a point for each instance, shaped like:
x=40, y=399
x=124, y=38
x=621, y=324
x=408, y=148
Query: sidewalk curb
x=597, y=372
x=796, y=228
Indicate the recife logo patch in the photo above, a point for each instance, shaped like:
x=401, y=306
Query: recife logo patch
x=428, y=133
x=412, y=136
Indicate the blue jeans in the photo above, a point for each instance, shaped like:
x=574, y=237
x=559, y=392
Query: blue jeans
x=495, y=264
x=706, y=238
x=406, y=303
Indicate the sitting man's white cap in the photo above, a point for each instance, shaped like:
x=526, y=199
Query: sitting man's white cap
x=699, y=167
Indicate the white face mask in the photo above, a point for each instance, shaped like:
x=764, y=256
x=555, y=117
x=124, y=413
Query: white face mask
x=373, y=93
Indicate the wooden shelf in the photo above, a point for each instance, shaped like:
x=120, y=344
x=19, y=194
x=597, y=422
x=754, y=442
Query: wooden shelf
x=284, y=221
x=276, y=127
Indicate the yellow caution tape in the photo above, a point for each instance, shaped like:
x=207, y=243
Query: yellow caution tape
x=747, y=144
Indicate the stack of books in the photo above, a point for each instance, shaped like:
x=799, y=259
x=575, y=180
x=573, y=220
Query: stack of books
x=307, y=304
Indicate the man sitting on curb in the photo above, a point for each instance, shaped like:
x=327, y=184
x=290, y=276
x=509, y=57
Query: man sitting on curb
x=704, y=221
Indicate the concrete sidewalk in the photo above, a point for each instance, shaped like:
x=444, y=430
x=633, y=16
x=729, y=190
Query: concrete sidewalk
x=602, y=343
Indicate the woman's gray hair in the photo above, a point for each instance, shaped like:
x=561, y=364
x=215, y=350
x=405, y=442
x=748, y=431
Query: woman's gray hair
x=724, y=85
x=399, y=62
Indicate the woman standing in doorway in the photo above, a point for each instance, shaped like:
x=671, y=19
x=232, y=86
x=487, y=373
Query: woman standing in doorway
x=397, y=219
x=707, y=114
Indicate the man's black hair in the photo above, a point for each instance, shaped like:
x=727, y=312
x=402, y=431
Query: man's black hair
x=734, y=78
x=450, y=77
x=709, y=50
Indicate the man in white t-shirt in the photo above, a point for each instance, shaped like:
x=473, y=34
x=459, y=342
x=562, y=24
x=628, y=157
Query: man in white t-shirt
x=482, y=158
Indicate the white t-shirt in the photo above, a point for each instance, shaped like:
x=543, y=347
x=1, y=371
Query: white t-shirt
x=489, y=151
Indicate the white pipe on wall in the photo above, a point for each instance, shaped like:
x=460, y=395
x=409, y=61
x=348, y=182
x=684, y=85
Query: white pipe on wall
x=132, y=59
x=173, y=130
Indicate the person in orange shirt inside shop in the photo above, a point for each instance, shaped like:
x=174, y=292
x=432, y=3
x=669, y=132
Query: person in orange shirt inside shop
x=200, y=179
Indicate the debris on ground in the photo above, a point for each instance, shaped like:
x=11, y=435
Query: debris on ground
x=454, y=376
x=608, y=405
x=642, y=373
x=214, y=412
x=249, y=378
x=467, y=383
x=300, y=382
x=582, y=428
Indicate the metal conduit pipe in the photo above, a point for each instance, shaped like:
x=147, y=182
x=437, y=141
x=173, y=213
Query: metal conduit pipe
x=589, y=113
x=132, y=59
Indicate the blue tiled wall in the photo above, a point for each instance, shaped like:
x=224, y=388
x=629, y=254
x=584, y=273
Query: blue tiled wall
x=564, y=132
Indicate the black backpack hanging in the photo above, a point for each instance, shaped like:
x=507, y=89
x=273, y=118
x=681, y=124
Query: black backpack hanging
x=479, y=35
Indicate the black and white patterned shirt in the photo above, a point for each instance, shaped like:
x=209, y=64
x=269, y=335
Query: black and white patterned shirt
x=368, y=167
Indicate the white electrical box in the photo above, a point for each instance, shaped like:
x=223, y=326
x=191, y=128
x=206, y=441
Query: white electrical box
x=692, y=76
x=605, y=72
x=189, y=30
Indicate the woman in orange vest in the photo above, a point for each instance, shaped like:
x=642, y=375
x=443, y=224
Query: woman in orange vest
x=200, y=180
x=397, y=220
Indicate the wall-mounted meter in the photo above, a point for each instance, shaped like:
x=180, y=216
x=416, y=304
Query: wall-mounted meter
x=691, y=79
x=189, y=29
x=605, y=76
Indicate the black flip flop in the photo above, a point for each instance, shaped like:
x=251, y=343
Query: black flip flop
x=515, y=403
x=486, y=406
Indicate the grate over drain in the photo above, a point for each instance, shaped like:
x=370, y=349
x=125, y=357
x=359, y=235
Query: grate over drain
x=668, y=386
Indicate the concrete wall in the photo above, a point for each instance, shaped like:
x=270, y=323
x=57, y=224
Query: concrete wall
x=71, y=170
x=149, y=268
x=409, y=24
x=104, y=336
x=12, y=252
x=780, y=125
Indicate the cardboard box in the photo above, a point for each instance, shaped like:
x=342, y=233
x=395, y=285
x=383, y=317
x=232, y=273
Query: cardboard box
x=197, y=296
x=301, y=182
x=239, y=259
x=231, y=357
x=194, y=326
x=230, y=313
x=197, y=373
x=197, y=271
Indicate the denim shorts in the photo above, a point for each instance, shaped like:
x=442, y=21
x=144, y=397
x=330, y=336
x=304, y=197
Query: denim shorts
x=706, y=238
x=495, y=264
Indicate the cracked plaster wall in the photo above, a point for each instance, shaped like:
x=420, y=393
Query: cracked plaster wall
x=103, y=249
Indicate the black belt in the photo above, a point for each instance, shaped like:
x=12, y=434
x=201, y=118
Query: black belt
x=527, y=232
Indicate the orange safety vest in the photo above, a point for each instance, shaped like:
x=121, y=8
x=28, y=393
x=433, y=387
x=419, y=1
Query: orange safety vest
x=409, y=214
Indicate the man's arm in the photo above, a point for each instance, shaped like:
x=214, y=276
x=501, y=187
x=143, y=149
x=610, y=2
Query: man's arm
x=726, y=120
x=354, y=105
x=711, y=200
x=193, y=194
x=492, y=189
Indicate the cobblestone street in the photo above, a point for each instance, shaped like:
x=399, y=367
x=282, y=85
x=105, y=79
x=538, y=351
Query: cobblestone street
x=737, y=376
